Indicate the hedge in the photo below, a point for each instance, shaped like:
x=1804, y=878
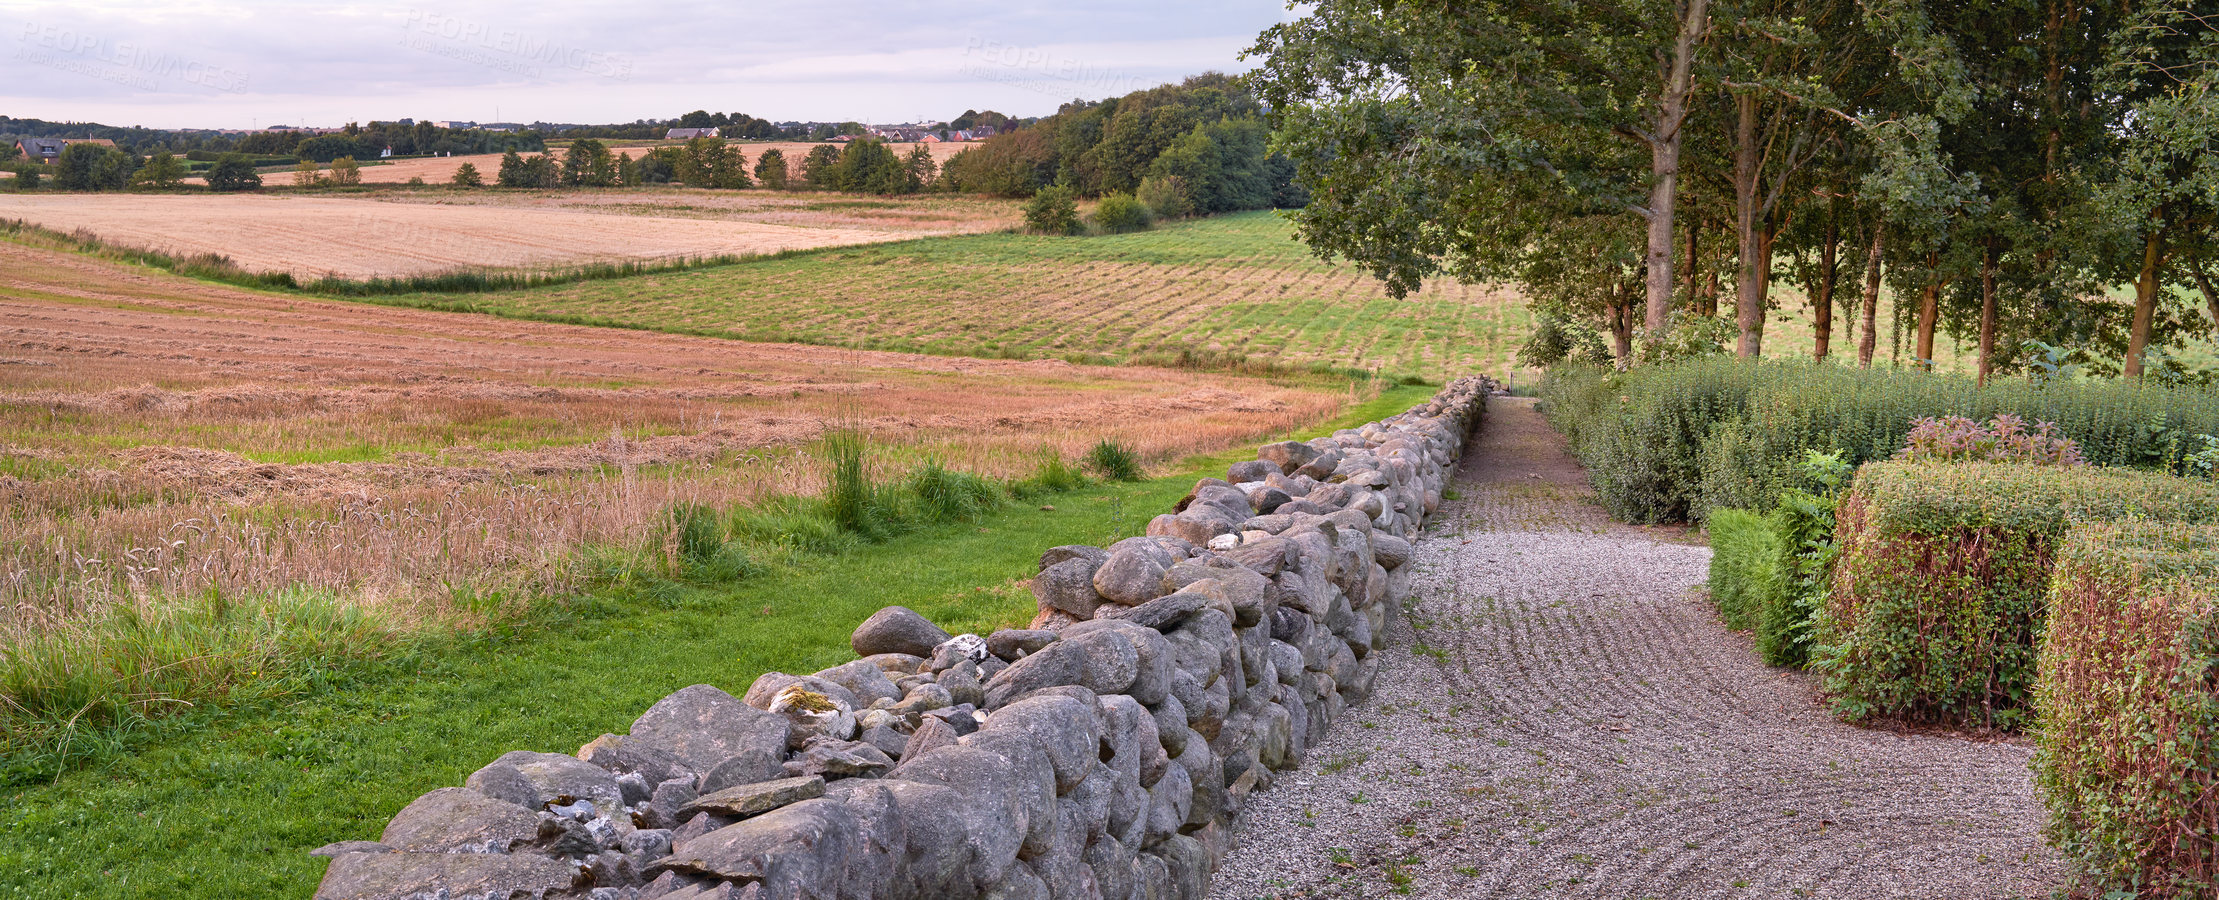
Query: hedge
x=1669, y=442
x=2130, y=712
x=1938, y=591
x=1744, y=558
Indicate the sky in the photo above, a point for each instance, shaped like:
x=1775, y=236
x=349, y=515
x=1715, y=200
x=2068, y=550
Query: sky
x=256, y=63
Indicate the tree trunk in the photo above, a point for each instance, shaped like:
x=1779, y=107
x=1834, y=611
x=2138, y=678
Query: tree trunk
x=1748, y=313
x=1620, y=316
x=1868, y=340
x=2211, y=296
x=1929, y=308
x=1822, y=306
x=2145, y=301
x=1987, y=311
x=1664, y=161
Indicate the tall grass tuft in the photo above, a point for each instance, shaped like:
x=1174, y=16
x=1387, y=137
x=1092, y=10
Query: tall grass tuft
x=1114, y=461
x=852, y=499
x=945, y=495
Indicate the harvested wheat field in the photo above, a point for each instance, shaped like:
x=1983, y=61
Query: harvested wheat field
x=164, y=437
x=352, y=238
x=917, y=215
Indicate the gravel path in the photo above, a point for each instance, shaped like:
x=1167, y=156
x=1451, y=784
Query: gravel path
x=1562, y=715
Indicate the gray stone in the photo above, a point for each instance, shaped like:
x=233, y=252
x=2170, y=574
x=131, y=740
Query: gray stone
x=1290, y=456
x=1171, y=725
x=1064, y=728
x=756, y=799
x=669, y=797
x=1129, y=742
x=1113, y=865
x=1054, y=555
x=1169, y=801
x=1320, y=468
x=748, y=767
x=965, y=683
x=1190, y=866
x=795, y=851
x=1062, y=662
x=533, y=780
x=1069, y=586
x=841, y=759
x=1010, y=644
x=994, y=814
x=865, y=680
x=963, y=648
x=1264, y=556
x=1251, y=471
x=634, y=787
x=408, y=876
x=645, y=844
x=925, y=698
x=703, y=727
x=1162, y=613
x=896, y=629
x=887, y=740
x=461, y=820
x=1286, y=660
x=811, y=714
x=341, y=847
x=1035, y=783
x=697, y=825
x=1133, y=574
x=896, y=665
x=621, y=756
x=767, y=685
x=1265, y=498
x=931, y=734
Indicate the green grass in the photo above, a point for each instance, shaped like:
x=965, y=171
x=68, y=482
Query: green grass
x=225, y=803
x=1216, y=292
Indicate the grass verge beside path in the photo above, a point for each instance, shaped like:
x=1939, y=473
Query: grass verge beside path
x=229, y=807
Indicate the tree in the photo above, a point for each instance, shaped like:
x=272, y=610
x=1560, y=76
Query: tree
x=817, y=167
x=466, y=175
x=1391, y=111
x=307, y=174
x=234, y=172
x=588, y=164
x=27, y=179
x=2164, y=188
x=345, y=173
x=513, y=171
x=1053, y=210
x=770, y=169
x=709, y=162
x=627, y=170
x=921, y=166
x=73, y=171
x=1165, y=196
x=162, y=171
x=112, y=170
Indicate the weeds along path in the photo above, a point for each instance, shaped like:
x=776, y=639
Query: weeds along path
x=1562, y=715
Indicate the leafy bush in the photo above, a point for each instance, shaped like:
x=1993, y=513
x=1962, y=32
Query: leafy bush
x=467, y=175
x=1803, y=571
x=1114, y=461
x=27, y=179
x=2130, y=715
x=2004, y=439
x=1743, y=564
x=1938, y=592
x=1165, y=196
x=1667, y=442
x=233, y=173
x=1119, y=213
x=1052, y=210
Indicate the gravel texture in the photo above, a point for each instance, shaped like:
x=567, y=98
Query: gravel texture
x=1562, y=715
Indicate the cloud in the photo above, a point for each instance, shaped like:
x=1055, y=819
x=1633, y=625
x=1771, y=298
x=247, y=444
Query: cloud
x=259, y=62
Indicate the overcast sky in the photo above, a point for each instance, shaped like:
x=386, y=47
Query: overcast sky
x=254, y=63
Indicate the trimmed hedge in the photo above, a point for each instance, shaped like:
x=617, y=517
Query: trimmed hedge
x=1938, y=592
x=1668, y=442
x=1744, y=563
x=2130, y=709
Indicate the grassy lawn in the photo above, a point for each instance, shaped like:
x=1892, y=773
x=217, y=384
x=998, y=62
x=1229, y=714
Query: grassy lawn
x=226, y=804
x=1236, y=284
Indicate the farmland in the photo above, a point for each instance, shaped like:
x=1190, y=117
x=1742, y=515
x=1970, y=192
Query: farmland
x=358, y=237
x=439, y=169
x=1227, y=288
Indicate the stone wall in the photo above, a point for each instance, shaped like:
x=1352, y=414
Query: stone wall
x=1103, y=752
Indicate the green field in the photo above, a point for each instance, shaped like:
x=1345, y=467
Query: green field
x=1233, y=285
x=226, y=804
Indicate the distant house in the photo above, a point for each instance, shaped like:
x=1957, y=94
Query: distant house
x=929, y=138
x=842, y=138
x=687, y=134
x=981, y=132
x=47, y=150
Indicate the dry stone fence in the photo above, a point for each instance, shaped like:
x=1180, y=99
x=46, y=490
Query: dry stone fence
x=1102, y=752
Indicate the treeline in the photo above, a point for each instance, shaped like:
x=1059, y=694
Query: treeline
x=2002, y=169
x=864, y=166
x=358, y=141
x=1206, y=132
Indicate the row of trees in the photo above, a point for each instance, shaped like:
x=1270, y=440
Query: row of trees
x=91, y=167
x=1998, y=166
x=865, y=166
x=1206, y=131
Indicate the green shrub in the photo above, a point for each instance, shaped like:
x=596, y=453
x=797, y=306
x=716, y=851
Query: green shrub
x=1937, y=595
x=945, y=495
x=1054, y=476
x=1114, y=461
x=26, y=179
x=2129, y=746
x=1804, y=527
x=1052, y=210
x=1668, y=442
x=1119, y=213
x=1743, y=564
x=1165, y=196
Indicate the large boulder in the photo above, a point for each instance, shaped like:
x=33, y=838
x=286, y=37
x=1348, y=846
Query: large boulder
x=535, y=780
x=896, y=629
x=1133, y=574
x=705, y=727
x=756, y=799
x=411, y=876
x=795, y=851
x=461, y=820
x=1069, y=586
